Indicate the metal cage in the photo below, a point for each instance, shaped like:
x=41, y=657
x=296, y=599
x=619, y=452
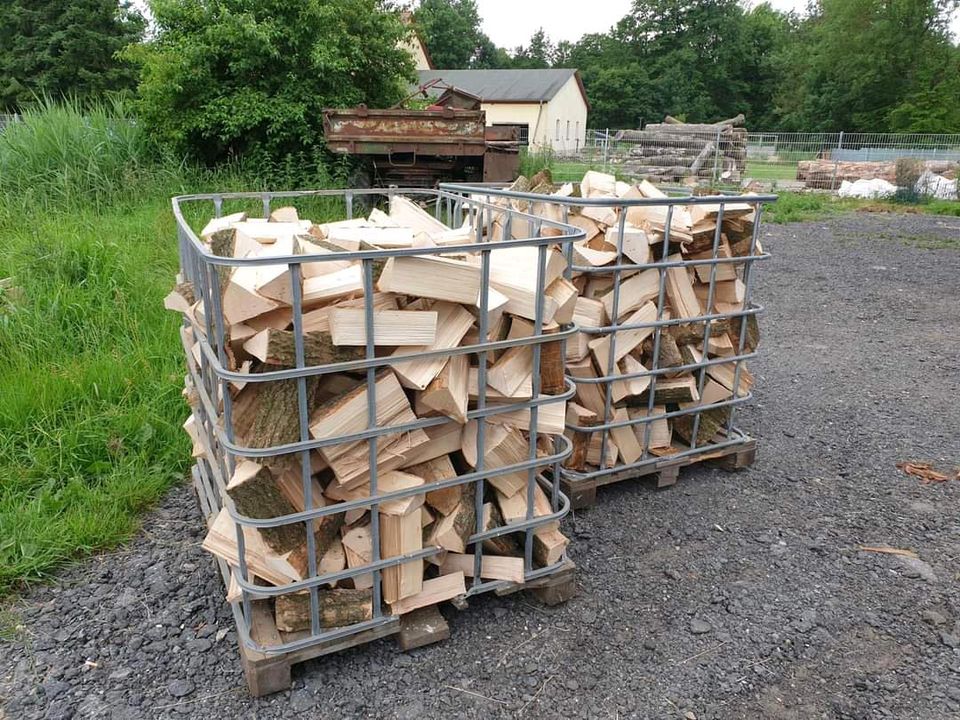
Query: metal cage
x=210, y=376
x=733, y=436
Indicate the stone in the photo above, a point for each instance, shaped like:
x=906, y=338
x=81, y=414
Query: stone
x=916, y=568
x=932, y=617
x=180, y=688
x=53, y=688
x=302, y=700
x=949, y=639
x=201, y=645
x=700, y=627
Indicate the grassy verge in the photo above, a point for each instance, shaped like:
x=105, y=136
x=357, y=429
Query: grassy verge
x=90, y=402
x=90, y=405
x=804, y=207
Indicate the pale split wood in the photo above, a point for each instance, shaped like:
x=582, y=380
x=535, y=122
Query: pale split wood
x=390, y=327
x=453, y=322
x=492, y=567
x=448, y=392
x=435, y=590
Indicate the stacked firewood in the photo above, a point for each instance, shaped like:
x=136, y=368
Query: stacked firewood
x=826, y=174
x=673, y=150
x=421, y=304
x=685, y=295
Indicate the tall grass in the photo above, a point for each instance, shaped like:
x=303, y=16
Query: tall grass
x=64, y=154
x=90, y=402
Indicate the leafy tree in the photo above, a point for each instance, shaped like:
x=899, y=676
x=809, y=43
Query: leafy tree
x=539, y=54
x=451, y=31
x=873, y=65
x=65, y=48
x=678, y=57
x=225, y=78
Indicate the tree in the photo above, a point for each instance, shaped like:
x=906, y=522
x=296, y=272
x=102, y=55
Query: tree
x=537, y=55
x=872, y=65
x=57, y=48
x=678, y=57
x=228, y=78
x=451, y=31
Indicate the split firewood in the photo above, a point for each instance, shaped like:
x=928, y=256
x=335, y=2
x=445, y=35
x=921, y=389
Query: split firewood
x=505, y=544
x=451, y=531
x=653, y=296
x=419, y=304
x=492, y=567
x=400, y=533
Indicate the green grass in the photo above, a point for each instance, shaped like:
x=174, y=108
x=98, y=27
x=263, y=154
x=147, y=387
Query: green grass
x=90, y=403
x=770, y=171
x=804, y=207
x=90, y=393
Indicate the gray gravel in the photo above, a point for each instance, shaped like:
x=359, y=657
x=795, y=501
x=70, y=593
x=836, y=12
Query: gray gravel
x=727, y=596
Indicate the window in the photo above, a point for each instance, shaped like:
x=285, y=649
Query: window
x=568, y=129
x=558, y=129
x=578, y=129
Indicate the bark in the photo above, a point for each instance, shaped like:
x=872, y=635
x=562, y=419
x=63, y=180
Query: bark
x=504, y=544
x=260, y=497
x=710, y=422
x=318, y=349
x=336, y=608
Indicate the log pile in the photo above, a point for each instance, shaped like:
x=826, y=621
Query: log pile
x=673, y=150
x=826, y=174
x=685, y=295
x=422, y=304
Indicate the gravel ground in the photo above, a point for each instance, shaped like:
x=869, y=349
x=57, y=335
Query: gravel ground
x=727, y=596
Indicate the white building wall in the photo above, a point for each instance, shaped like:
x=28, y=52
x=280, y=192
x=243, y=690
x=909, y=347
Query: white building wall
x=417, y=53
x=533, y=115
x=567, y=118
x=567, y=108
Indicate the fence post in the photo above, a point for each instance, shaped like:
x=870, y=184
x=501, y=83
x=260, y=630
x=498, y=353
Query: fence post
x=606, y=147
x=836, y=162
x=716, y=156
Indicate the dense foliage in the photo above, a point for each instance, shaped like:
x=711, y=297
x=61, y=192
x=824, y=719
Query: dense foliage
x=49, y=47
x=451, y=31
x=249, y=78
x=871, y=65
x=854, y=65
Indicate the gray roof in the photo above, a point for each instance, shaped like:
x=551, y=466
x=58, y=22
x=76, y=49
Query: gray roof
x=505, y=85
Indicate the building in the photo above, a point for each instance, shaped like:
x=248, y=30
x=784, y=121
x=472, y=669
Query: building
x=548, y=106
x=414, y=45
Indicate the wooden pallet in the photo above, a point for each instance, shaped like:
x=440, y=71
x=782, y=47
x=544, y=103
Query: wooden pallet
x=267, y=673
x=583, y=491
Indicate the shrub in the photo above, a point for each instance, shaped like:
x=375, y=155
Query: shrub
x=228, y=79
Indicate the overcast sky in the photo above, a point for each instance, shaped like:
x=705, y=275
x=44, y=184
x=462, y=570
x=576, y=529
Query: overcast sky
x=510, y=23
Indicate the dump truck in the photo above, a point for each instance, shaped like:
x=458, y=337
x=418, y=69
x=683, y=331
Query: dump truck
x=446, y=142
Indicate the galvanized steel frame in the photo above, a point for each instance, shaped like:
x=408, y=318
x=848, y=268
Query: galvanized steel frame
x=734, y=435
x=210, y=380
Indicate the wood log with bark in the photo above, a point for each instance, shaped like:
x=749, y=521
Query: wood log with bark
x=673, y=150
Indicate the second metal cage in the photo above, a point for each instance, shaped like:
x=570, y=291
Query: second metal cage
x=736, y=321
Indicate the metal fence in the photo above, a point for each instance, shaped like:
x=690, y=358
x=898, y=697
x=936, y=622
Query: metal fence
x=211, y=381
x=726, y=249
x=771, y=158
x=7, y=120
